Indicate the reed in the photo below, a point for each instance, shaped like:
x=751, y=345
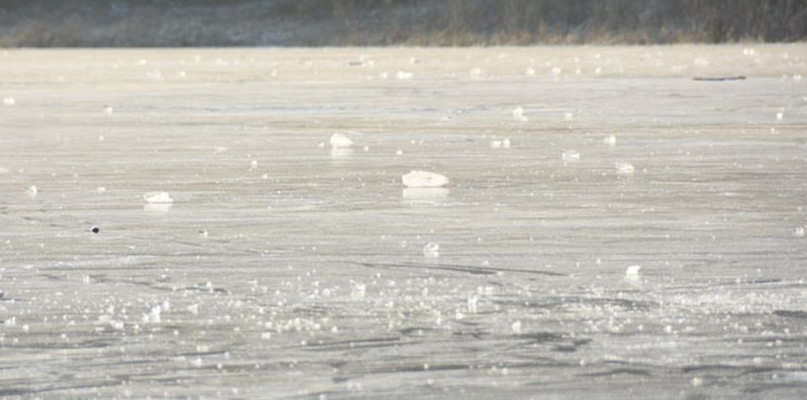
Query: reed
x=93, y=23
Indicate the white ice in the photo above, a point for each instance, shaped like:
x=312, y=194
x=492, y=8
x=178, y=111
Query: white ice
x=340, y=141
x=424, y=179
x=157, y=198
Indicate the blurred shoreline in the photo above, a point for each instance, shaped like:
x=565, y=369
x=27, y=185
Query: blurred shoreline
x=308, y=23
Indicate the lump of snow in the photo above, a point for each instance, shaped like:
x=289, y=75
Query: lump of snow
x=157, y=198
x=518, y=114
x=625, y=168
x=340, y=141
x=516, y=326
x=431, y=250
x=500, y=144
x=633, y=272
x=570, y=156
x=424, y=179
x=403, y=75
x=609, y=141
x=9, y=101
x=32, y=190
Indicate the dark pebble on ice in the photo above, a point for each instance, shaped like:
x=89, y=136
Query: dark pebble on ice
x=95, y=229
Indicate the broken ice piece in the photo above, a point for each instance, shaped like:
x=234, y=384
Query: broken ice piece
x=518, y=114
x=570, y=156
x=431, y=250
x=157, y=198
x=625, y=168
x=633, y=272
x=424, y=179
x=339, y=140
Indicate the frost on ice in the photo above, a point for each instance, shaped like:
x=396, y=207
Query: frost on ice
x=424, y=179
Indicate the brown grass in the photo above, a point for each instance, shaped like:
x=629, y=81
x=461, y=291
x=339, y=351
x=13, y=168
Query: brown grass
x=91, y=23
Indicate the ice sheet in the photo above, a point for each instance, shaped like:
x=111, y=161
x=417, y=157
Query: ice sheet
x=284, y=269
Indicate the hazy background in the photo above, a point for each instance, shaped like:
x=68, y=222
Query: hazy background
x=90, y=23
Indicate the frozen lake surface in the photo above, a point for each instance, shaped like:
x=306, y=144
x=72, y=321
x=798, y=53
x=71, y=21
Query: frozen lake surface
x=611, y=227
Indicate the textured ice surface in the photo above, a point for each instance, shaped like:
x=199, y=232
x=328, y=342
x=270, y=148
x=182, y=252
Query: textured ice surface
x=305, y=276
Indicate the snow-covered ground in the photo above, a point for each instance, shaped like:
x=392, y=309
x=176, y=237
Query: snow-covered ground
x=611, y=228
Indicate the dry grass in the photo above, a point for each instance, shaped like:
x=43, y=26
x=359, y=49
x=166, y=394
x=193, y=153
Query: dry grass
x=56, y=23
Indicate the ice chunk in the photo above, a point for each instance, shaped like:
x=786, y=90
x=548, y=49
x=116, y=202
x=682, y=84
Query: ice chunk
x=609, y=140
x=530, y=71
x=157, y=198
x=424, y=179
x=516, y=326
x=403, y=75
x=518, y=114
x=798, y=232
x=570, y=156
x=9, y=101
x=625, y=168
x=32, y=190
x=633, y=271
x=431, y=250
x=340, y=141
x=568, y=116
x=780, y=116
x=500, y=144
